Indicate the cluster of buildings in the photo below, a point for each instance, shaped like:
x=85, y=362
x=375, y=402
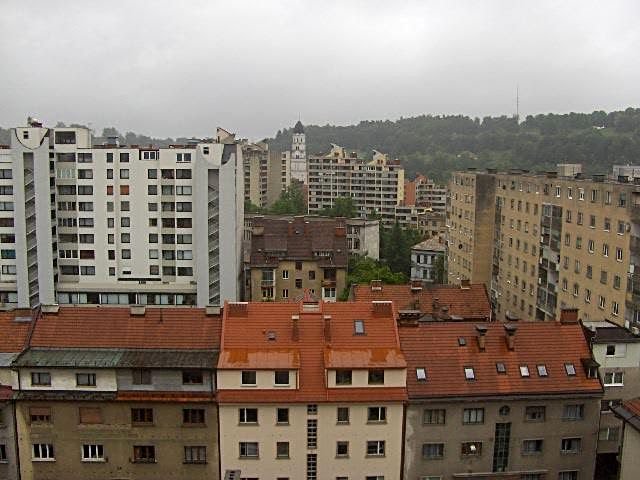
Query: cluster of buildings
x=399, y=382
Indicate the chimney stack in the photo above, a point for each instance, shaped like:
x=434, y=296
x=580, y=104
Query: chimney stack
x=327, y=328
x=465, y=284
x=290, y=229
x=568, y=315
x=482, y=331
x=295, y=334
x=435, y=305
x=510, y=329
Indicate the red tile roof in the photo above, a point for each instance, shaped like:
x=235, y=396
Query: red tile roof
x=633, y=406
x=434, y=346
x=259, y=359
x=183, y=397
x=115, y=327
x=323, y=332
x=14, y=333
x=469, y=303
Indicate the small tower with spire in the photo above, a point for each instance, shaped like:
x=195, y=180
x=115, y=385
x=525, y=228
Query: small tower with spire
x=299, y=153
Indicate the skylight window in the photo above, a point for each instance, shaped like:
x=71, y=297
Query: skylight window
x=461, y=341
x=542, y=371
x=421, y=374
x=501, y=368
x=358, y=327
x=524, y=371
x=469, y=374
x=570, y=369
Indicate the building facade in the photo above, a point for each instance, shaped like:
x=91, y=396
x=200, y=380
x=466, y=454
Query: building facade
x=327, y=380
x=119, y=224
x=486, y=401
x=375, y=186
x=428, y=261
x=255, y=158
x=544, y=242
x=289, y=256
x=424, y=192
x=629, y=414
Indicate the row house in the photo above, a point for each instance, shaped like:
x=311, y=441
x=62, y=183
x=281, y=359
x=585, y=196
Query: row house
x=311, y=390
x=500, y=400
x=118, y=393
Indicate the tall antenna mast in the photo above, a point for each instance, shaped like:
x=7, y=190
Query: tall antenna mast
x=517, y=103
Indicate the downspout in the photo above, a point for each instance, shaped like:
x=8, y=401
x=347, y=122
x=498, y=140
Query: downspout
x=15, y=430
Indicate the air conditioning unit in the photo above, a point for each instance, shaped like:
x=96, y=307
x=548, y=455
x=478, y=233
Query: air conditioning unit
x=635, y=330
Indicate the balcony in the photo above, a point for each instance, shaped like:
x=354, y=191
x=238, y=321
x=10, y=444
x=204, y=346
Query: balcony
x=267, y=283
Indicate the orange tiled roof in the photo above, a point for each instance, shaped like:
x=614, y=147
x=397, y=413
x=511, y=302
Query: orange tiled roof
x=435, y=347
x=364, y=358
x=115, y=327
x=269, y=327
x=13, y=333
x=468, y=303
x=257, y=359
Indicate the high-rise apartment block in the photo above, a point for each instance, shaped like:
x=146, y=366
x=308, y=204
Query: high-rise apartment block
x=376, y=186
x=424, y=192
x=115, y=224
x=543, y=242
x=255, y=157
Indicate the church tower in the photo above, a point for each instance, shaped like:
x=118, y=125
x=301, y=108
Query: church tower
x=299, y=154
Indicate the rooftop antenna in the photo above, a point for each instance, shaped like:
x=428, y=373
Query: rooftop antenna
x=517, y=103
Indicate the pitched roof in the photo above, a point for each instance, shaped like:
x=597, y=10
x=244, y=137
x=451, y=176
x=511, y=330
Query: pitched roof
x=467, y=303
x=325, y=333
x=14, y=328
x=275, y=239
x=629, y=411
x=115, y=327
x=435, y=347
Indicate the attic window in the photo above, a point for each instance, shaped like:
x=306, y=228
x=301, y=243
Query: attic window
x=358, y=327
x=461, y=341
x=501, y=368
x=421, y=374
x=524, y=371
x=469, y=374
x=570, y=369
x=542, y=371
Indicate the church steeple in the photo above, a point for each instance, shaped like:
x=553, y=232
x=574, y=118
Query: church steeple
x=298, y=128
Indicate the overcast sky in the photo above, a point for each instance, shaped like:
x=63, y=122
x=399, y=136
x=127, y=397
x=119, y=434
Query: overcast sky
x=255, y=66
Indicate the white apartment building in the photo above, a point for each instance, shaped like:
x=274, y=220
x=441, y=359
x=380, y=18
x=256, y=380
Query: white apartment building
x=298, y=155
x=115, y=224
x=376, y=186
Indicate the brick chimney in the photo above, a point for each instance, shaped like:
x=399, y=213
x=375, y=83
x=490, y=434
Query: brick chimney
x=327, y=328
x=482, y=332
x=568, y=315
x=435, y=305
x=295, y=334
x=376, y=285
x=510, y=330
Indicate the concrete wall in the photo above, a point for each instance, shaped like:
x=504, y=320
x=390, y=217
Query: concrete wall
x=630, y=460
x=8, y=468
x=169, y=380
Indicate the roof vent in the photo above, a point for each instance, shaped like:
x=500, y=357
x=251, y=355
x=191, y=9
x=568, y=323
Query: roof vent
x=53, y=308
x=137, y=309
x=212, y=310
x=376, y=285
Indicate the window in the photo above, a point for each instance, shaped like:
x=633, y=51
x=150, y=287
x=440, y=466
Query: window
x=312, y=434
x=192, y=377
x=195, y=454
x=40, y=378
x=285, y=274
x=343, y=377
x=282, y=449
x=524, y=371
x=605, y=249
x=421, y=374
x=142, y=415
x=473, y=416
x=281, y=377
x=618, y=254
x=471, y=449
x=282, y=416
x=248, y=377
x=469, y=374
x=376, y=377
x=375, y=448
x=542, y=370
x=92, y=453
x=615, y=308
x=144, y=454
x=431, y=451
x=532, y=447
x=124, y=173
x=312, y=409
x=342, y=449
x=614, y=379
x=342, y=415
x=570, y=445
x=434, y=416
x=250, y=415
x=570, y=369
x=43, y=452
x=609, y=434
x=3, y=453
x=501, y=368
x=358, y=326
x=377, y=414
x=535, y=413
x=573, y=412
x=40, y=415
x=193, y=416
x=90, y=415
x=568, y=475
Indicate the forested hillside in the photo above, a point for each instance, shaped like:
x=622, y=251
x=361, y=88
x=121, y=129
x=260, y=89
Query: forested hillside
x=437, y=145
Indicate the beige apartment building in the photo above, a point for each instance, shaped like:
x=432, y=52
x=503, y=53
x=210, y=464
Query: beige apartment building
x=543, y=242
x=492, y=400
x=290, y=256
x=255, y=158
x=311, y=390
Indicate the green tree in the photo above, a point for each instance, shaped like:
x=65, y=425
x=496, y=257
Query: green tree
x=395, y=247
x=440, y=271
x=342, y=207
x=250, y=207
x=291, y=201
x=363, y=269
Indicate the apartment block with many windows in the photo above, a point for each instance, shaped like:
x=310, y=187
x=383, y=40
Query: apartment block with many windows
x=375, y=186
x=514, y=400
x=133, y=397
x=311, y=390
x=255, y=158
x=552, y=242
x=119, y=224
